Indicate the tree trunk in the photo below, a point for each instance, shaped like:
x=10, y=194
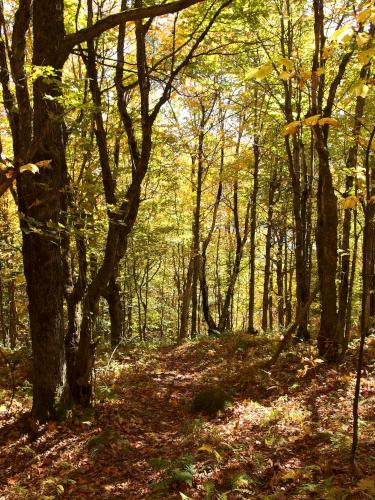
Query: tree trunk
x=113, y=298
x=348, y=319
x=253, y=225
x=185, y=305
x=197, y=222
x=2, y=316
x=346, y=227
x=280, y=281
x=326, y=242
x=327, y=223
x=267, y=264
x=12, y=313
x=41, y=200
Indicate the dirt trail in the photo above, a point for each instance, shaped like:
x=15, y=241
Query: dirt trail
x=288, y=428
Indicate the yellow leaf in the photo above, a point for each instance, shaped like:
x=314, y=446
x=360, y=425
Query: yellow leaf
x=360, y=89
x=206, y=447
x=350, y=202
x=29, y=167
x=291, y=128
x=320, y=71
x=311, y=120
x=344, y=34
x=211, y=450
x=287, y=63
x=362, y=39
x=261, y=72
x=329, y=121
x=363, y=16
x=365, y=56
x=264, y=71
x=43, y=163
x=327, y=51
x=284, y=75
x=305, y=74
x=372, y=200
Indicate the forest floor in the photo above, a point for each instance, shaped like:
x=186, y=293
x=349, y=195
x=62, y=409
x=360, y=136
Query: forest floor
x=287, y=434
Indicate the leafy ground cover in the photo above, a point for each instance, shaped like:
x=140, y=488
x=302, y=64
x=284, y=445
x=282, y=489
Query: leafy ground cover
x=287, y=433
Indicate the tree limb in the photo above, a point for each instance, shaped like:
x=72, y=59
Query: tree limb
x=113, y=20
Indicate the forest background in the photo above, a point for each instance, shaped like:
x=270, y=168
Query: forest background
x=175, y=170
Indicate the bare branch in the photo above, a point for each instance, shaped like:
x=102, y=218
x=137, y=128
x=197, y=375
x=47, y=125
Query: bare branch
x=114, y=20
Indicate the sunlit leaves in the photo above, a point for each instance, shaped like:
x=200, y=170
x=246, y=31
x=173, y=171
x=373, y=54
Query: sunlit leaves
x=285, y=75
x=329, y=121
x=287, y=63
x=327, y=51
x=34, y=167
x=311, y=121
x=363, y=39
x=43, y=163
x=291, y=128
x=363, y=16
x=260, y=73
x=344, y=34
x=360, y=89
x=305, y=73
x=350, y=202
x=365, y=56
x=29, y=167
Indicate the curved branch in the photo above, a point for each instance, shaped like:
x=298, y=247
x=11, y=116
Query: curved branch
x=114, y=20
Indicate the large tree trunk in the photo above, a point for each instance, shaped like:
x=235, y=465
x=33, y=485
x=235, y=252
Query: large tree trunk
x=41, y=200
x=297, y=166
x=326, y=242
x=326, y=237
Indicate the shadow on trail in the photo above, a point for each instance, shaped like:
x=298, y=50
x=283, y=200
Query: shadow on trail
x=288, y=427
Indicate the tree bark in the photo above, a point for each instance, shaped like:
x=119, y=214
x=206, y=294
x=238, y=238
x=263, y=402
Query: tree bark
x=346, y=227
x=253, y=226
x=267, y=263
x=41, y=199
